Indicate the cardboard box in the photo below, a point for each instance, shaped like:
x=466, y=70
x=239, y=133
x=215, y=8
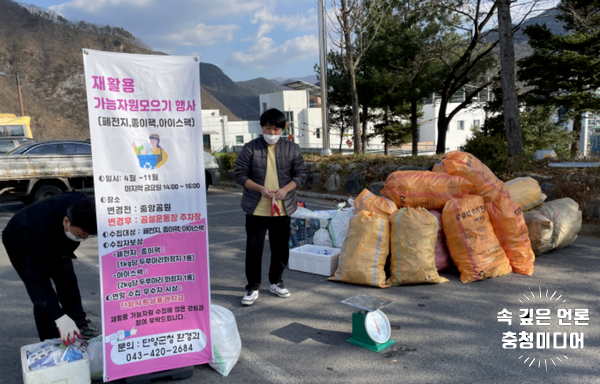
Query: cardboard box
x=75, y=372
x=305, y=259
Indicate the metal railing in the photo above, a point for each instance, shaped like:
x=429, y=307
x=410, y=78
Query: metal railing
x=373, y=149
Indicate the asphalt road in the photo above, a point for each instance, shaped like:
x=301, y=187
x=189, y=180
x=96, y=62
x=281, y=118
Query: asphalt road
x=446, y=333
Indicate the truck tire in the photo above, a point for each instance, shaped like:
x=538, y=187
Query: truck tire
x=45, y=192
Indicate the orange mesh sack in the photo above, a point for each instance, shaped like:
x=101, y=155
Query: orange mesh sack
x=509, y=226
x=526, y=192
x=365, y=251
x=413, y=239
x=368, y=201
x=424, y=189
x=471, y=241
x=465, y=165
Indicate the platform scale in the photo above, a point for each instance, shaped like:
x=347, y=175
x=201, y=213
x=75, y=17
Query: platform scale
x=371, y=329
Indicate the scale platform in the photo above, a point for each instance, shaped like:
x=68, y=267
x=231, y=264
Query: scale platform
x=363, y=333
x=367, y=303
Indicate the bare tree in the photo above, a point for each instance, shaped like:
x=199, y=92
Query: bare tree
x=354, y=25
x=468, y=57
x=512, y=123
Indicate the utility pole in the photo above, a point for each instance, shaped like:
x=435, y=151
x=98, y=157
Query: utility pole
x=326, y=151
x=20, y=97
x=18, y=89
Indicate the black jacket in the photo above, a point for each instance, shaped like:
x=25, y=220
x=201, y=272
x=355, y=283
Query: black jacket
x=40, y=228
x=35, y=239
x=251, y=164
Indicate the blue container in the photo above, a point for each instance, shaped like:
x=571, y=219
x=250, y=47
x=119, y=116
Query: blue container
x=147, y=161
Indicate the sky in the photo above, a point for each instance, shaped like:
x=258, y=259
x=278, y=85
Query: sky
x=245, y=38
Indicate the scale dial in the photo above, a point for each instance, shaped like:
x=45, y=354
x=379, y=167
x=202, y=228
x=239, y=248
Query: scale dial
x=378, y=326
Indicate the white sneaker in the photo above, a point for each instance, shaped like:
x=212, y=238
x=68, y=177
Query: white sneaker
x=251, y=295
x=280, y=290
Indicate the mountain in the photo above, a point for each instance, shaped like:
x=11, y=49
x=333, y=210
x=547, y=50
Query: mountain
x=210, y=102
x=261, y=85
x=46, y=49
x=548, y=18
x=242, y=101
x=522, y=48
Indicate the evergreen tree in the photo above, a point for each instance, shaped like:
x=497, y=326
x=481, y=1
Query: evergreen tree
x=393, y=127
x=563, y=70
x=403, y=59
x=539, y=126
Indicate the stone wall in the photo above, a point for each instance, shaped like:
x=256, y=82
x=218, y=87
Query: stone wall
x=350, y=179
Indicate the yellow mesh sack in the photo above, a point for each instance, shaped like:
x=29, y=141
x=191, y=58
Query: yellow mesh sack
x=465, y=165
x=365, y=251
x=526, y=192
x=368, y=201
x=414, y=234
x=473, y=246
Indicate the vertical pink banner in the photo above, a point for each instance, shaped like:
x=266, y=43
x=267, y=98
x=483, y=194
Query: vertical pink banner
x=149, y=181
x=156, y=303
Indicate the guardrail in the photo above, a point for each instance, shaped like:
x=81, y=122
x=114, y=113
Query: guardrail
x=372, y=149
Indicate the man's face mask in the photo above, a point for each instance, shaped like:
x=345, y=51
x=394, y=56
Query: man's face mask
x=72, y=236
x=272, y=139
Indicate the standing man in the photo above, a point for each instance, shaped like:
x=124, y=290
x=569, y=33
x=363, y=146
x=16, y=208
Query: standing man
x=40, y=240
x=270, y=170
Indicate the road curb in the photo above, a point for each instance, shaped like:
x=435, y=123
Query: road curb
x=313, y=195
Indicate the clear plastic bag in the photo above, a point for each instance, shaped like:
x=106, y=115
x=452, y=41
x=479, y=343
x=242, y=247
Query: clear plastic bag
x=94, y=351
x=226, y=341
x=304, y=224
x=45, y=355
x=338, y=227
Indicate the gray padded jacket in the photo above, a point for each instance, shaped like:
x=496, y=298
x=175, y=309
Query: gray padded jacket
x=251, y=164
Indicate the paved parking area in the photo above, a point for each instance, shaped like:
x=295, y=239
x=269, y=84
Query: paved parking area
x=445, y=333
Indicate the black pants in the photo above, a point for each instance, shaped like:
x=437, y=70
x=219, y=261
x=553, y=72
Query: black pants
x=39, y=287
x=279, y=236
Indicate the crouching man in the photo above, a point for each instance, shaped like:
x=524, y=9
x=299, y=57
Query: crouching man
x=40, y=240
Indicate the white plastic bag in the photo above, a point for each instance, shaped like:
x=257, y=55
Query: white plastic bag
x=338, y=227
x=94, y=351
x=304, y=213
x=322, y=236
x=553, y=225
x=226, y=341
